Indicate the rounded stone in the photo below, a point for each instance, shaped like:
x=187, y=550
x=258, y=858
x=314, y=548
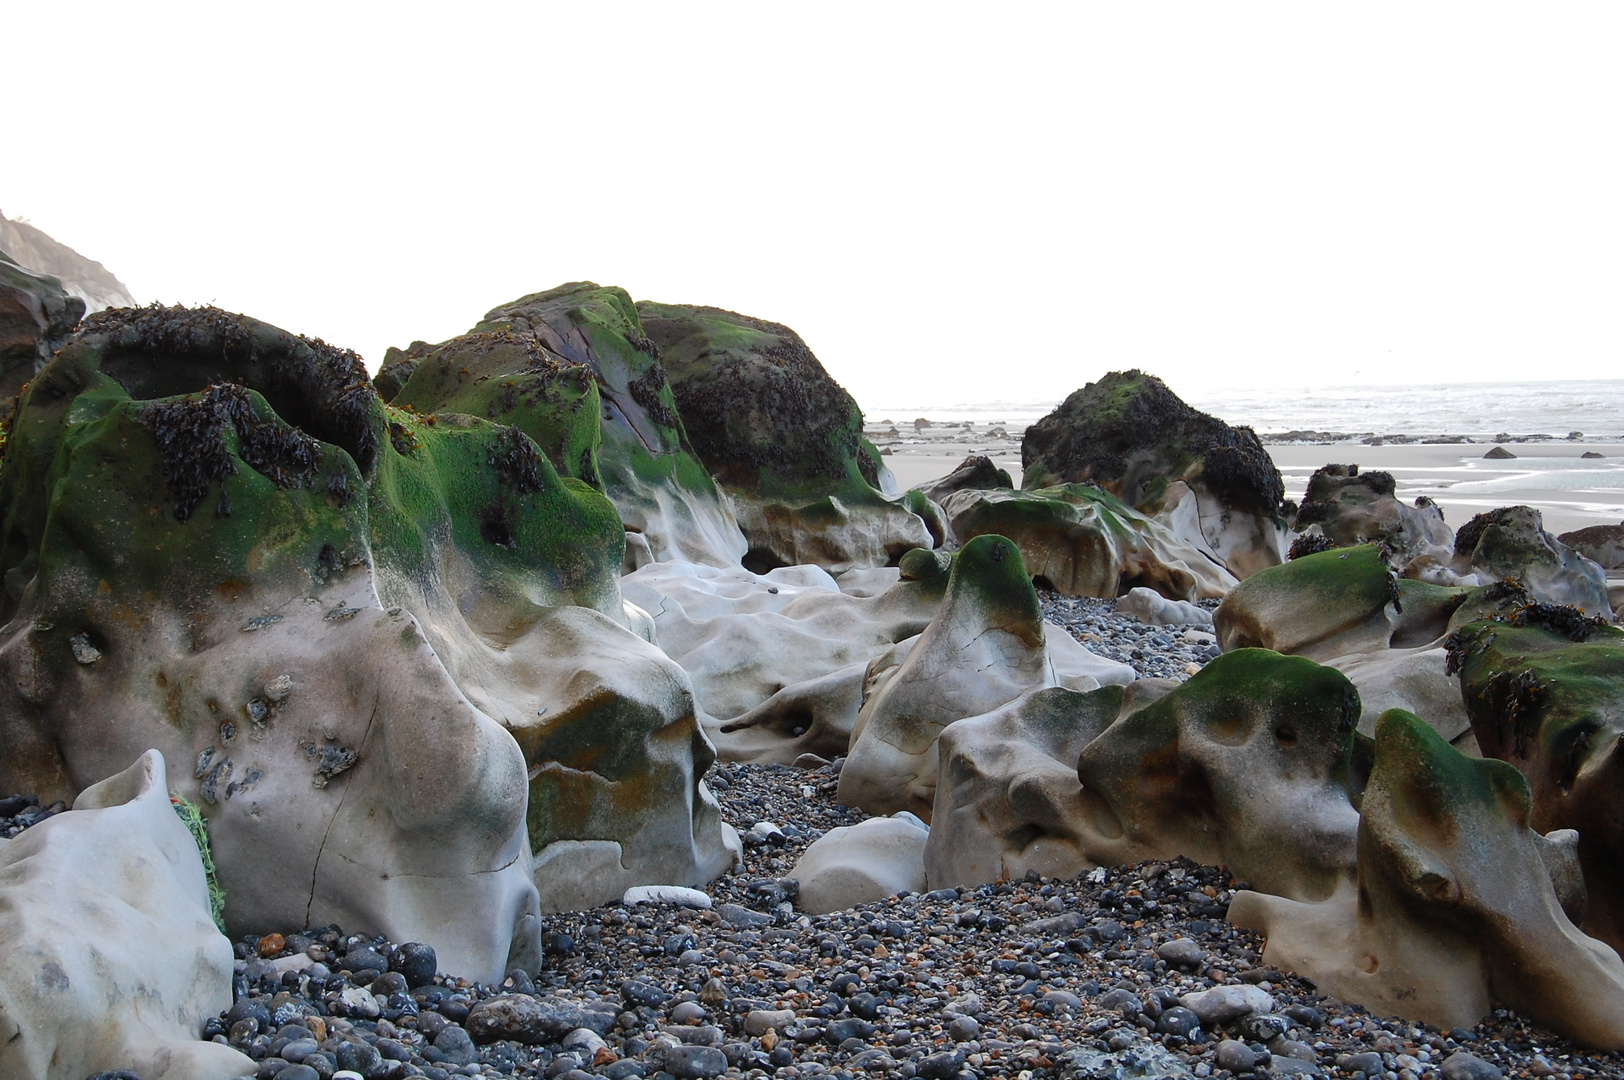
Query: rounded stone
x=963, y=1029
x=1235, y=1056
x=695, y=1062
x=414, y=962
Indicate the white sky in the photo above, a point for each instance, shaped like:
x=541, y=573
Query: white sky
x=948, y=202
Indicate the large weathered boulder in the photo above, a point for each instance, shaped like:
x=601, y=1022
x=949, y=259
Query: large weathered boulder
x=1460, y=904
x=862, y=863
x=1602, y=544
x=1008, y=798
x=36, y=319
x=1349, y=507
x=572, y=368
x=1247, y=765
x=1132, y=435
x=1544, y=688
x=986, y=646
x=783, y=440
x=1085, y=542
x=1512, y=543
x=111, y=958
x=305, y=612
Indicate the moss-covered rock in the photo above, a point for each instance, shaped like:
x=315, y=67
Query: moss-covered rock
x=1544, y=688
x=572, y=368
x=1248, y=765
x=1085, y=542
x=784, y=440
x=1349, y=507
x=1321, y=605
x=976, y=472
x=1461, y=905
x=1511, y=542
x=218, y=541
x=1133, y=436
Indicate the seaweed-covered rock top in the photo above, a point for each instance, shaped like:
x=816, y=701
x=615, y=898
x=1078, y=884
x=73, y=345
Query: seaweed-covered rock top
x=757, y=404
x=1129, y=433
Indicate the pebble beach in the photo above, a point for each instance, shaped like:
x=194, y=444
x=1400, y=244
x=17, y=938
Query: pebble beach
x=1123, y=972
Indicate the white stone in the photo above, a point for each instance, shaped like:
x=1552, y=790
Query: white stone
x=111, y=960
x=1150, y=606
x=1226, y=1004
x=679, y=895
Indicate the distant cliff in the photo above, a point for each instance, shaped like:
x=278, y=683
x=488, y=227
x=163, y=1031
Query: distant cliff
x=85, y=278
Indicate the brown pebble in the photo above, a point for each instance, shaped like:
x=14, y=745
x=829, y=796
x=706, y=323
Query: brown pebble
x=317, y=1026
x=272, y=945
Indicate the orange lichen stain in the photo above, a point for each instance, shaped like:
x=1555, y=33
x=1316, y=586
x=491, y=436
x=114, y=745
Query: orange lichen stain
x=104, y=588
x=228, y=591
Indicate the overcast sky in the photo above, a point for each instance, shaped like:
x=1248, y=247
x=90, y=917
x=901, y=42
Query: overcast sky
x=949, y=203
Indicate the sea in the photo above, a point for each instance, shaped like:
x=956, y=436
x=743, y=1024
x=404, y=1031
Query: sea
x=1592, y=407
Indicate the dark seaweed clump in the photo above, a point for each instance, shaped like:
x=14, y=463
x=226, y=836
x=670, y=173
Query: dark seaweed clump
x=516, y=460
x=191, y=437
x=1309, y=544
x=161, y=352
x=645, y=390
x=1563, y=619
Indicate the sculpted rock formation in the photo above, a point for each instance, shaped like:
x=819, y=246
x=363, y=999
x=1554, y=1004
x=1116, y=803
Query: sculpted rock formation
x=85, y=278
x=1248, y=765
x=975, y=473
x=1511, y=542
x=784, y=440
x=985, y=647
x=1544, y=688
x=36, y=319
x=111, y=960
x=572, y=368
x=1349, y=508
x=1132, y=435
x=1085, y=542
x=1344, y=608
x=1460, y=904
x=308, y=615
x=1008, y=798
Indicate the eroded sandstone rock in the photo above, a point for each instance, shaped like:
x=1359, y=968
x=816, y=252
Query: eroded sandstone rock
x=1129, y=433
x=36, y=318
x=1544, y=689
x=1349, y=508
x=785, y=442
x=1248, y=765
x=986, y=646
x=1085, y=542
x=1459, y=903
x=1512, y=543
x=859, y=864
x=111, y=959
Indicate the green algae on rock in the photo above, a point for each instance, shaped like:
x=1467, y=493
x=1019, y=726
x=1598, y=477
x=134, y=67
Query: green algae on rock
x=785, y=441
x=1461, y=905
x=1544, y=689
x=206, y=519
x=572, y=368
x=1248, y=765
x=1133, y=436
x=1084, y=541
